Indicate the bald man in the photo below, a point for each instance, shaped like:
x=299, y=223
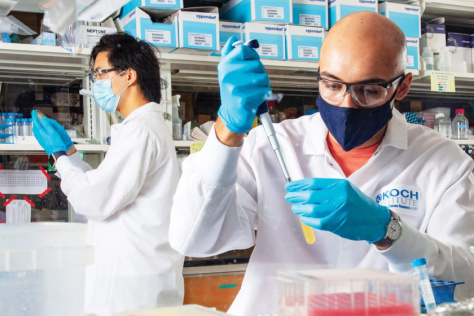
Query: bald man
x=378, y=192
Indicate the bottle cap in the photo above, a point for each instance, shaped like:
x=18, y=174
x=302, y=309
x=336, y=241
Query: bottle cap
x=438, y=115
x=418, y=262
x=271, y=103
x=459, y=111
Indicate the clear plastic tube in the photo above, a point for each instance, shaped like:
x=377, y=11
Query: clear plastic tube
x=419, y=265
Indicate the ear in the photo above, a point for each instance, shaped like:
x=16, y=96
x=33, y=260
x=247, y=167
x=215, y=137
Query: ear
x=131, y=76
x=404, y=87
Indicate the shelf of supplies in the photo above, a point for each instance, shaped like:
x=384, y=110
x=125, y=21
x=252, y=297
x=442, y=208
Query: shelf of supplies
x=36, y=148
x=456, y=11
x=38, y=64
x=464, y=84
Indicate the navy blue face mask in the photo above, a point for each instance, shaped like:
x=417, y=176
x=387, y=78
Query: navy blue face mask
x=353, y=127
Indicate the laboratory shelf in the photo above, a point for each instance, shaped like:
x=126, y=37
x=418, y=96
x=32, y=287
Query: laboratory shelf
x=454, y=11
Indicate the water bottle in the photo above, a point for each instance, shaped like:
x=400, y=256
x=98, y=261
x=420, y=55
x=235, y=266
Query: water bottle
x=460, y=125
x=443, y=125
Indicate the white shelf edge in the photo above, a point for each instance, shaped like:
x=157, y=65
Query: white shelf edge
x=457, y=75
x=464, y=141
x=87, y=148
x=185, y=143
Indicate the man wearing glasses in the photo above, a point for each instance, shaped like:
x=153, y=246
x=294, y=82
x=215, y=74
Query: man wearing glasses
x=378, y=192
x=127, y=199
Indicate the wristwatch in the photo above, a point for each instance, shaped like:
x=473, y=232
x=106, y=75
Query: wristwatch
x=53, y=158
x=394, y=231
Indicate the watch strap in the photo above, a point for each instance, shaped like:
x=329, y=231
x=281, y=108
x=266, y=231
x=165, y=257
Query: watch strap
x=53, y=158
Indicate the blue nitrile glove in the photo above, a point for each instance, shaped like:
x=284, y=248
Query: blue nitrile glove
x=337, y=206
x=51, y=136
x=243, y=83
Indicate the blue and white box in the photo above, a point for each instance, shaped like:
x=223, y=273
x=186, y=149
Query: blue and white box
x=303, y=42
x=270, y=36
x=338, y=9
x=406, y=17
x=159, y=5
x=413, y=52
x=311, y=13
x=198, y=30
x=271, y=11
x=434, y=36
x=139, y=23
x=226, y=31
x=459, y=46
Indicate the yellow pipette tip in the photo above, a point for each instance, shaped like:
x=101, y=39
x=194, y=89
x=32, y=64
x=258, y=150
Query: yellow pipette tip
x=308, y=233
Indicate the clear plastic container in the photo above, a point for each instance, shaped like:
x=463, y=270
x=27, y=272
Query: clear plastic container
x=460, y=125
x=347, y=292
x=428, y=58
x=443, y=125
x=42, y=268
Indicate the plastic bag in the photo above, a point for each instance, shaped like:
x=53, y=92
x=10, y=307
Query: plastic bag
x=11, y=25
x=58, y=14
x=6, y=6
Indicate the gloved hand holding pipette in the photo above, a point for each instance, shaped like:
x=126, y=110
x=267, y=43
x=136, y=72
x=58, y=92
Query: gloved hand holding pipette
x=243, y=83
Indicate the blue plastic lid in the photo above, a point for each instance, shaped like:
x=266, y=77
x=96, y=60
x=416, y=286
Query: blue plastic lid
x=418, y=262
x=19, y=115
x=11, y=114
x=24, y=120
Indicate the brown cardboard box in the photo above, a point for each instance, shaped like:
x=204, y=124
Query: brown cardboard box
x=203, y=118
x=416, y=106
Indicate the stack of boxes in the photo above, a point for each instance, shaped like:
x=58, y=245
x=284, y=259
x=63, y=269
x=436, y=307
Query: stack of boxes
x=166, y=25
x=285, y=29
x=407, y=18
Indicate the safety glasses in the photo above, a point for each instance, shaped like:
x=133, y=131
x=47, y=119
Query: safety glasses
x=365, y=95
x=93, y=74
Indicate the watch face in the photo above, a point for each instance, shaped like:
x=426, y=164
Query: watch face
x=394, y=230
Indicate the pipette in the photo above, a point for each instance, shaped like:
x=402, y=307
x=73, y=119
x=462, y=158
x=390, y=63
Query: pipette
x=266, y=121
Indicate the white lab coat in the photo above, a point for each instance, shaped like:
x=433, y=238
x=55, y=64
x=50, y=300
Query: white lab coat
x=127, y=200
x=224, y=193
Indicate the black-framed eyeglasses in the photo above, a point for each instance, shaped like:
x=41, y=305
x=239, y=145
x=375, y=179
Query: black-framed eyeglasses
x=93, y=73
x=364, y=94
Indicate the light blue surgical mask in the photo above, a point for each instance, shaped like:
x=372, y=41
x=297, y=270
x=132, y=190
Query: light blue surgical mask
x=104, y=95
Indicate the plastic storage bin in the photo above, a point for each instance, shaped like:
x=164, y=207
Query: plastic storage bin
x=42, y=268
x=349, y=292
